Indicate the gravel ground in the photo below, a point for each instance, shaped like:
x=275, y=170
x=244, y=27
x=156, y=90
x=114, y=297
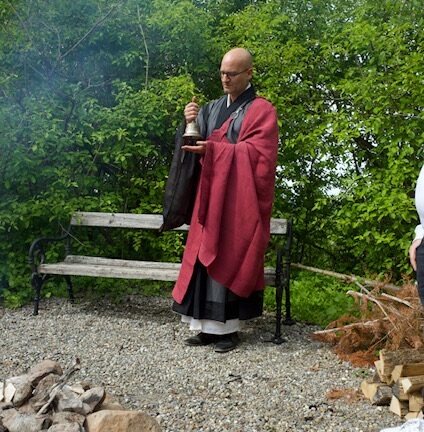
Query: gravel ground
x=135, y=350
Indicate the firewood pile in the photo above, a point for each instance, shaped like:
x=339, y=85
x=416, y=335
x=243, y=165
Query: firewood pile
x=383, y=321
x=398, y=382
x=43, y=399
x=387, y=332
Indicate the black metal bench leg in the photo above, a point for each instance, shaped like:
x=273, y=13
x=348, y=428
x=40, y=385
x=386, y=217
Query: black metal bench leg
x=278, y=300
x=288, y=319
x=287, y=263
x=70, y=289
x=36, y=282
x=278, y=339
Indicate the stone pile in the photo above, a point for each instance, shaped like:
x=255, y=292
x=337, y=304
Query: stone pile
x=44, y=400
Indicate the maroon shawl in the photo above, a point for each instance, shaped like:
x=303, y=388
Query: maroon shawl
x=229, y=229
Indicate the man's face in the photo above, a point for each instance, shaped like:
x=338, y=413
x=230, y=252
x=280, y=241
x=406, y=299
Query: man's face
x=239, y=74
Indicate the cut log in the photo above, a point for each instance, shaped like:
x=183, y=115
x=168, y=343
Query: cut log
x=377, y=393
x=369, y=388
x=398, y=407
x=397, y=391
x=416, y=401
x=390, y=359
x=414, y=415
x=379, y=368
x=375, y=377
x=407, y=370
x=412, y=384
x=382, y=396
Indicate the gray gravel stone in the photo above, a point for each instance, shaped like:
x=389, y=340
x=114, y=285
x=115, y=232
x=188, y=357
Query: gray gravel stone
x=135, y=351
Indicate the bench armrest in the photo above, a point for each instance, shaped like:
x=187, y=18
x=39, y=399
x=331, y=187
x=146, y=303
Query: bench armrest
x=36, y=254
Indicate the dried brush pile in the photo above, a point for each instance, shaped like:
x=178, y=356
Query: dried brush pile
x=384, y=321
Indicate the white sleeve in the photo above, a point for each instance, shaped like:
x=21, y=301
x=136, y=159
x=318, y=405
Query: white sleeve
x=419, y=232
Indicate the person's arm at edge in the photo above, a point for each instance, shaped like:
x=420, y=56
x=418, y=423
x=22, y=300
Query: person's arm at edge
x=419, y=235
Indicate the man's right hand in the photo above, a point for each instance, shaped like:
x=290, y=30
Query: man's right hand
x=413, y=253
x=190, y=112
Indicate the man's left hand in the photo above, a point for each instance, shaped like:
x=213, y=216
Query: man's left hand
x=199, y=148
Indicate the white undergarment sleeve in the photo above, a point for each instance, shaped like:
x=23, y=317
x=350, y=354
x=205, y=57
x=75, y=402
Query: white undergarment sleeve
x=212, y=327
x=419, y=232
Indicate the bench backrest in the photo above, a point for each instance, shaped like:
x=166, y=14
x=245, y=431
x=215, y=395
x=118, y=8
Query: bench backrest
x=145, y=221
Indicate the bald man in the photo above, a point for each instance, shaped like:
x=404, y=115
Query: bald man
x=221, y=280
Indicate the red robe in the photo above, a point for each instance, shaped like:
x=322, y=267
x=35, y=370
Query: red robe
x=229, y=229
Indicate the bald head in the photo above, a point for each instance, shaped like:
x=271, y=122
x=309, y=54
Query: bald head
x=241, y=55
x=236, y=71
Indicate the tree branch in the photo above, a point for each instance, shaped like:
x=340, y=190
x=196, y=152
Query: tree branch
x=96, y=24
x=349, y=326
x=145, y=46
x=347, y=278
x=378, y=303
x=58, y=386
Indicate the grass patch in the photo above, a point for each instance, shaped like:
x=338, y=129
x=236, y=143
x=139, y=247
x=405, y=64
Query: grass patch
x=315, y=299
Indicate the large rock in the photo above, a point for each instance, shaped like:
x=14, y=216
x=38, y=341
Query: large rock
x=110, y=403
x=18, y=389
x=41, y=392
x=66, y=427
x=5, y=406
x=42, y=369
x=1, y=391
x=78, y=388
x=14, y=421
x=121, y=421
x=9, y=392
x=27, y=407
x=2, y=428
x=73, y=405
x=93, y=397
x=66, y=392
x=68, y=417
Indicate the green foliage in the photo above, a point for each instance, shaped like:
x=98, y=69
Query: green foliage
x=315, y=299
x=91, y=93
x=69, y=145
x=345, y=77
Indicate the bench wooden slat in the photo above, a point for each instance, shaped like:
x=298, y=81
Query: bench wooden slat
x=89, y=260
x=75, y=265
x=108, y=272
x=145, y=221
x=120, y=220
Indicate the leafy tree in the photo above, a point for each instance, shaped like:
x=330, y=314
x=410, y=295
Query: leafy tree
x=345, y=78
x=89, y=105
x=76, y=136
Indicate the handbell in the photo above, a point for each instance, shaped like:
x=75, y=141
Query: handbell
x=192, y=131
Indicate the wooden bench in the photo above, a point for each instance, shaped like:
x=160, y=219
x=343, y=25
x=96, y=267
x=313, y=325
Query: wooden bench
x=74, y=265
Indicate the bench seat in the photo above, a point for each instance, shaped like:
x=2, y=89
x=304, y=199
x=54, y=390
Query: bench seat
x=77, y=265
